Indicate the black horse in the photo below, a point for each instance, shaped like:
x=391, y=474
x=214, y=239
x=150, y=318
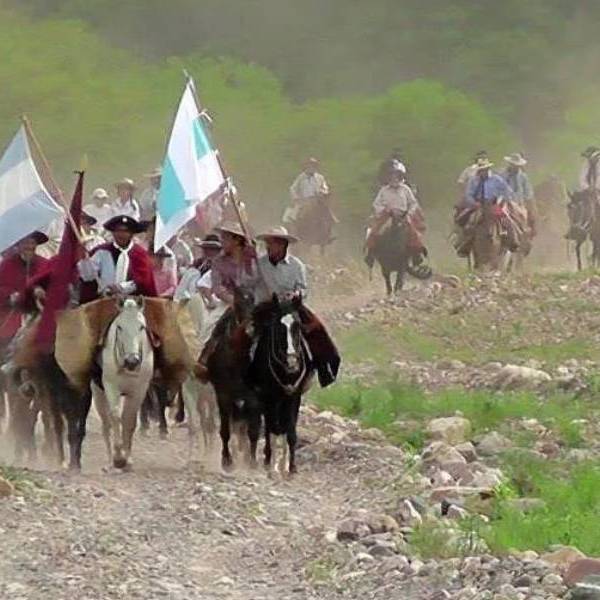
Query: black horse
x=281, y=370
x=391, y=251
x=584, y=223
x=228, y=366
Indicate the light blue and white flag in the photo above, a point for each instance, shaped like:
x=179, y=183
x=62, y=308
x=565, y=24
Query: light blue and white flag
x=25, y=204
x=191, y=171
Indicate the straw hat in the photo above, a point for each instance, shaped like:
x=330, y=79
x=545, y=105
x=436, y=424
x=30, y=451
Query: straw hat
x=99, y=194
x=484, y=163
x=516, y=159
x=231, y=227
x=124, y=221
x=211, y=241
x=38, y=237
x=279, y=232
x=590, y=151
x=125, y=182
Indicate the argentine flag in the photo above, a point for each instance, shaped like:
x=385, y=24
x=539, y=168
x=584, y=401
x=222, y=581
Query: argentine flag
x=25, y=204
x=191, y=171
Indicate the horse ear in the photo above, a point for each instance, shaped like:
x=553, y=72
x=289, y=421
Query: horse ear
x=140, y=301
x=120, y=301
x=275, y=299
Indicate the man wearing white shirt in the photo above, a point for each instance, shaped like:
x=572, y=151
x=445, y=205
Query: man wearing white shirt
x=125, y=203
x=309, y=185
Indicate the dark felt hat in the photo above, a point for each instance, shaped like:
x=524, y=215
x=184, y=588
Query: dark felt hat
x=124, y=221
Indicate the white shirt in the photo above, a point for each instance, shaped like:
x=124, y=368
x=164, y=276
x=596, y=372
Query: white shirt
x=288, y=275
x=100, y=213
x=148, y=203
x=467, y=173
x=396, y=199
x=118, y=208
x=308, y=186
x=187, y=285
x=101, y=267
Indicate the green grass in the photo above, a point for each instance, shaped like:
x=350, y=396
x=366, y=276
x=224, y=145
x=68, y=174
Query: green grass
x=22, y=480
x=571, y=514
x=383, y=405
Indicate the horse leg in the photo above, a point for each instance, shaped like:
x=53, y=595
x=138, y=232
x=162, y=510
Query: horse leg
x=163, y=402
x=145, y=412
x=190, y=398
x=131, y=407
x=103, y=410
x=226, y=460
x=292, y=436
x=578, y=255
x=268, y=448
x=399, y=280
x=388, y=282
x=112, y=420
x=253, y=435
x=77, y=421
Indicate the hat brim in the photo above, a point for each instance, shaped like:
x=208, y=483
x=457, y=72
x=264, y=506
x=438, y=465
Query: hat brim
x=85, y=218
x=518, y=163
x=209, y=245
x=132, y=226
x=38, y=237
x=231, y=231
x=121, y=184
x=263, y=237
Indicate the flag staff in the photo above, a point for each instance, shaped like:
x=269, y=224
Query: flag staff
x=56, y=189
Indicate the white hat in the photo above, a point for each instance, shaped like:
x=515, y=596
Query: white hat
x=99, y=194
x=398, y=166
x=516, y=158
x=277, y=232
x=125, y=182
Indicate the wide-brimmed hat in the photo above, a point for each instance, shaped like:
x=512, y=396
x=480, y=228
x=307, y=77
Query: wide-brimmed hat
x=99, y=194
x=231, y=227
x=311, y=160
x=163, y=252
x=516, y=159
x=589, y=151
x=278, y=232
x=124, y=221
x=156, y=172
x=39, y=237
x=211, y=241
x=125, y=182
x=483, y=163
x=480, y=154
x=87, y=219
x=397, y=168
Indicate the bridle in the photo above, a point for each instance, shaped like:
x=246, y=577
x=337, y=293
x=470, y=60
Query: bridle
x=273, y=361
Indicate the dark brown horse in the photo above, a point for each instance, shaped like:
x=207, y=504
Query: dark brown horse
x=314, y=223
x=584, y=223
x=228, y=367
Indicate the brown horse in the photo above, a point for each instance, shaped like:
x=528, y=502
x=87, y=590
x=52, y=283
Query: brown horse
x=584, y=223
x=314, y=223
x=488, y=249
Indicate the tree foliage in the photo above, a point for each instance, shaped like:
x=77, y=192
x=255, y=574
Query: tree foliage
x=87, y=96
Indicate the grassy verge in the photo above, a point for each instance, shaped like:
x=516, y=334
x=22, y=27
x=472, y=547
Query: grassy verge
x=401, y=411
x=570, y=514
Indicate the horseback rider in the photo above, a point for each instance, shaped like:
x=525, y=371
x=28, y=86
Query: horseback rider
x=389, y=166
x=149, y=196
x=484, y=188
x=470, y=171
x=210, y=248
x=519, y=183
x=124, y=203
x=309, y=185
x=16, y=270
x=396, y=198
x=284, y=276
x=118, y=267
x=98, y=207
x=589, y=177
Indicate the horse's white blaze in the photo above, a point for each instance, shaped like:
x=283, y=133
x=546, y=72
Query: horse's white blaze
x=124, y=390
x=288, y=321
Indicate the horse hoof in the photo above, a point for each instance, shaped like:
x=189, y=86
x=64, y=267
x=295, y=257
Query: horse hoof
x=163, y=435
x=119, y=463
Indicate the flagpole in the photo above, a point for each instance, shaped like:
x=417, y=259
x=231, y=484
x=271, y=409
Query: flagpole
x=57, y=190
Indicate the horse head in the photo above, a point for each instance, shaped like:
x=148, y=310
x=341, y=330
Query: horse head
x=243, y=304
x=130, y=330
x=278, y=322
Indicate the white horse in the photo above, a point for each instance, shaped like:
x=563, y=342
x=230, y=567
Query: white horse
x=199, y=398
x=127, y=364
